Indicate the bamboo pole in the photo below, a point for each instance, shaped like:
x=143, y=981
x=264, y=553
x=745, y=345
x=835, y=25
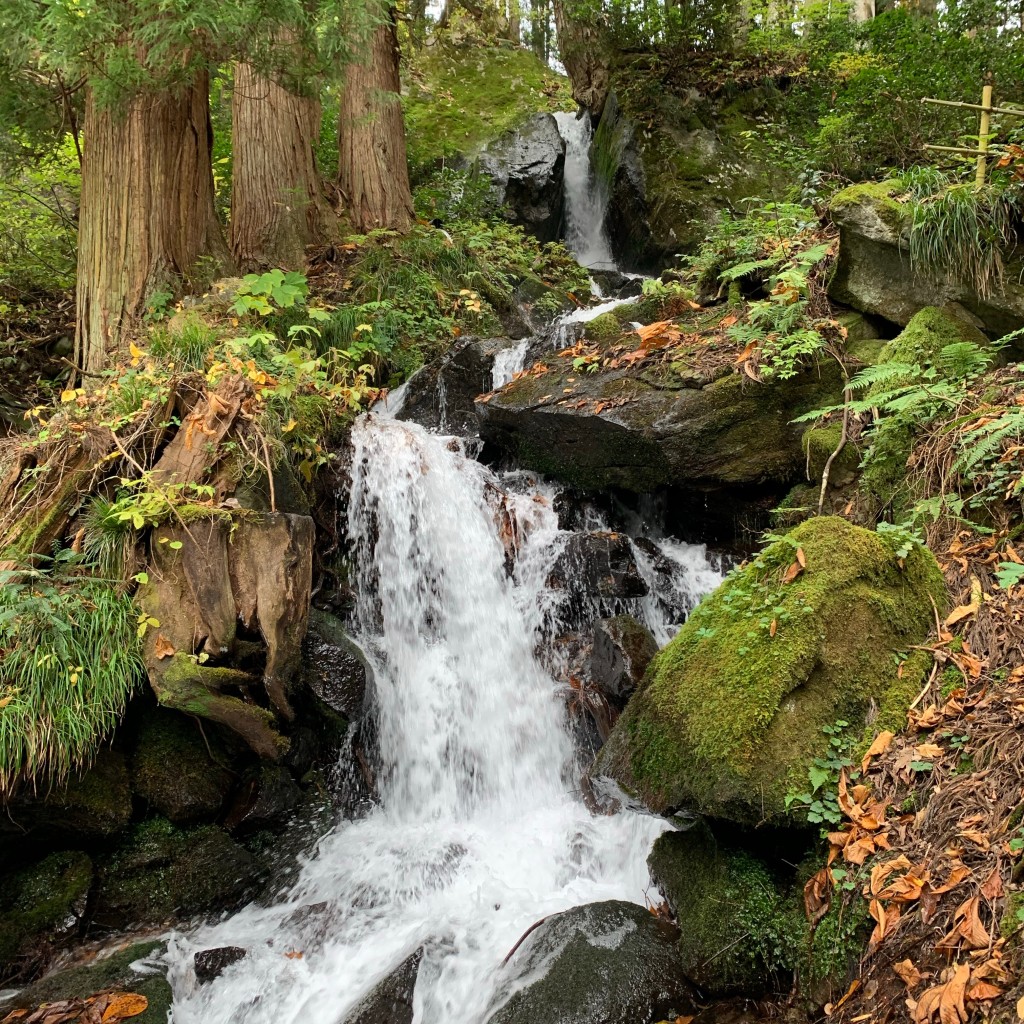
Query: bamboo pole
x=983, y=135
x=1013, y=111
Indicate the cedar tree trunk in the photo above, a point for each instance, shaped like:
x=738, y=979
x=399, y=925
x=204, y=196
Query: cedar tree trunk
x=581, y=49
x=147, y=213
x=373, y=174
x=278, y=206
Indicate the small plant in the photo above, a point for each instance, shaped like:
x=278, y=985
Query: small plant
x=262, y=293
x=820, y=802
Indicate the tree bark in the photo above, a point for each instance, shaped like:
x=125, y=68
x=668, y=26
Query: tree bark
x=147, y=213
x=373, y=172
x=581, y=49
x=278, y=205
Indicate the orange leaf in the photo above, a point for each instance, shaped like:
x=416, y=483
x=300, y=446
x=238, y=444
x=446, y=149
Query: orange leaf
x=982, y=991
x=993, y=887
x=879, y=745
x=792, y=572
x=773, y=627
x=801, y=558
x=295, y=954
x=911, y=976
x=729, y=321
x=163, y=648
x=124, y=1005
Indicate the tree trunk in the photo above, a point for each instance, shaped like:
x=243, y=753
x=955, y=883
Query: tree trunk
x=147, y=214
x=373, y=172
x=278, y=206
x=863, y=10
x=515, y=22
x=581, y=49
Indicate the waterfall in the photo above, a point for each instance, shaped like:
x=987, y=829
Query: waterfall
x=479, y=831
x=586, y=199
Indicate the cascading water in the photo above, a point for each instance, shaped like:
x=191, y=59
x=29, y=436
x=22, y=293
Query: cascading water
x=479, y=831
x=586, y=200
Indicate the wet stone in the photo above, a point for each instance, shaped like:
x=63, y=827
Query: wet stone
x=598, y=564
x=212, y=963
x=390, y=1002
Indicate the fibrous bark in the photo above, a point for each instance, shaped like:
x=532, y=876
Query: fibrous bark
x=278, y=205
x=147, y=212
x=581, y=49
x=373, y=173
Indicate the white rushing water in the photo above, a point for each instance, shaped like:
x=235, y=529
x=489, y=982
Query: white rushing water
x=508, y=362
x=586, y=200
x=479, y=831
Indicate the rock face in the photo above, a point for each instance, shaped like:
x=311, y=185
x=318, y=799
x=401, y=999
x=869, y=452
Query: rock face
x=638, y=432
x=874, y=273
x=613, y=963
x=598, y=564
x=334, y=667
x=731, y=713
x=527, y=168
x=669, y=181
x=212, y=963
x=739, y=930
x=390, y=1002
x=621, y=652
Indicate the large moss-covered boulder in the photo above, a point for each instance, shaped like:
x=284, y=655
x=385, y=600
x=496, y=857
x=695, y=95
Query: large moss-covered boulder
x=731, y=714
x=874, y=273
x=741, y=929
x=133, y=969
x=40, y=906
x=611, y=962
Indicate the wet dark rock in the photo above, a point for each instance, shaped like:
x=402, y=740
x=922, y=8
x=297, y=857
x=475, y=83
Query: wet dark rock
x=527, y=168
x=39, y=907
x=621, y=652
x=109, y=972
x=172, y=769
x=603, y=963
x=616, y=285
x=600, y=565
x=390, y=1002
x=333, y=666
x=212, y=963
x=267, y=797
x=442, y=395
x=160, y=871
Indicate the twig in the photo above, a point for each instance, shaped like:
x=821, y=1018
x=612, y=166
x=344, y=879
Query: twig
x=270, y=472
x=847, y=399
x=522, y=939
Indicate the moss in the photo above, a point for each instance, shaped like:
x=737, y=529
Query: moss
x=799, y=504
x=461, y=97
x=98, y=802
x=879, y=195
x=818, y=444
x=835, y=949
x=602, y=328
x=739, y=929
x=40, y=899
x=732, y=711
x=112, y=972
x=1013, y=915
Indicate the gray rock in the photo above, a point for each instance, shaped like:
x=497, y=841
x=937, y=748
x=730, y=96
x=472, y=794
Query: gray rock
x=212, y=963
x=390, y=1002
x=333, y=666
x=268, y=796
x=603, y=963
x=874, y=273
x=598, y=565
x=621, y=652
x=527, y=167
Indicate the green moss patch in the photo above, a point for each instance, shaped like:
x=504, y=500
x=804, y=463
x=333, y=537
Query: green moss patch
x=732, y=710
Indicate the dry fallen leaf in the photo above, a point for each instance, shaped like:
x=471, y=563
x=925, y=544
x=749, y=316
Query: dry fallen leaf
x=163, y=648
x=879, y=746
x=910, y=975
x=124, y=1005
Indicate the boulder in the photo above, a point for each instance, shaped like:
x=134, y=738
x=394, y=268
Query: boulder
x=527, y=166
x=741, y=931
x=621, y=652
x=130, y=970
x=597, y=565
x=603, y=963
x=442, y=395
x=39, y=907
x=731, y=713
x=160, y=871
x=173, y=771
x=390, y=1001
x=210, y=964
x=267, y=797
x=874, y=273
x=640, y=430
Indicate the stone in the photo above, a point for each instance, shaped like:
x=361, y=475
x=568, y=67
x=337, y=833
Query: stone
x=210, y=964
x=741, y=931
x=130, y=970
x=390, y=1001
x=442, y=395
x=597, y=565
x=173, y=772
x=730, y=716
x=527, y=167
x=268, y=797
x=39, y=907
x=874, y=274
x=612, y=962
x=333, y=665
x=621, y=652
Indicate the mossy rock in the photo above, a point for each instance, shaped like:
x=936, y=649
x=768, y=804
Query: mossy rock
x=731, y=714
x=819, y=442
x=161, y=871
x=605, y=327
x=41, y=904
x=110, y=973
x=94, y=804
x=741, y=931
x=173, y=772
x=920, y=343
